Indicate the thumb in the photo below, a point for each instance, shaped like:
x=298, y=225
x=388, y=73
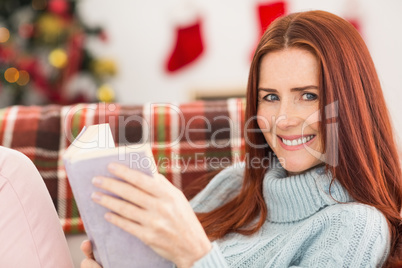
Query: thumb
x=86, y=248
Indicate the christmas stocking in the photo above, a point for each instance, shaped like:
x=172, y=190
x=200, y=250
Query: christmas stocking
x=355, y=22
x=267, y=13
x=352, y=13
x=188, y=46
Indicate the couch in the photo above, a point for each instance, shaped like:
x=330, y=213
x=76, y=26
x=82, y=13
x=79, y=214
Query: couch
x=188, y=140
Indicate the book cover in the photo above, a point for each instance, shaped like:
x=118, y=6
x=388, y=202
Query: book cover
x=112, y=246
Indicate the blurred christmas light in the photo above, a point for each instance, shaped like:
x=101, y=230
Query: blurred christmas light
x=4, y=35
x=58, y=58
x=11, y=75
x=58, y=6
x=104, y=67
x=103, y=36
x=23, y=78
x=50, y=27
x=39, y=4
x=105, y=93
x=26, y=30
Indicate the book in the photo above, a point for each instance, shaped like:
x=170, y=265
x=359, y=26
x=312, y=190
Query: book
x=87, y=157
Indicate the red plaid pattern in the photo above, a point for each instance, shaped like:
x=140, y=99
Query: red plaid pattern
x=188, y=140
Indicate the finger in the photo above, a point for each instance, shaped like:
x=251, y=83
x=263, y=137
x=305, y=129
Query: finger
x=121, y=207
x=90, y=263
x=137, y=178
x=86, y=248
x=124, y=190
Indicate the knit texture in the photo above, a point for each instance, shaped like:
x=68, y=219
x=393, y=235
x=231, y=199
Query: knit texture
x=305, y=227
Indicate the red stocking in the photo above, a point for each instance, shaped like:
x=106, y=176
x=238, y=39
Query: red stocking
x=355, y=22
x=267, y=13
x=188, y=47
x=352, y=13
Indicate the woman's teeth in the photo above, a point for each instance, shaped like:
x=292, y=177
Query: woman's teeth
x=297, y=141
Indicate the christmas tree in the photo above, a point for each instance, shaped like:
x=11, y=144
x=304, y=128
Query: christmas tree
x=43, y=57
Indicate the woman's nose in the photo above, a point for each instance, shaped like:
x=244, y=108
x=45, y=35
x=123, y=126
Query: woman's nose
x=287, y=117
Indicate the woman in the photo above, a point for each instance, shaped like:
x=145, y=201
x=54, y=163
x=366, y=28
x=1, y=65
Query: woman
x=332, y=194
x=30, y=230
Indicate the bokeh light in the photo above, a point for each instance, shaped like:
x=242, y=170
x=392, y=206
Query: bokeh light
x=11, y=75
x=58, y=58
x=50, y=28
x=105, y=93
x=4, y=35
x=26, y=30
x=23, y=78
x=104, y=67
x=39, y=4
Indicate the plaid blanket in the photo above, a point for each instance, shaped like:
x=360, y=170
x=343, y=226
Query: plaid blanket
x=188, y=140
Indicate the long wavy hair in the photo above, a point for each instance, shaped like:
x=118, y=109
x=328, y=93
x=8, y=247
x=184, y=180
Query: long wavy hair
x=366, y=157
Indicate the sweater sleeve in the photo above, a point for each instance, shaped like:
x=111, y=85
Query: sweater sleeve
x=221, y=189
x=360, y=240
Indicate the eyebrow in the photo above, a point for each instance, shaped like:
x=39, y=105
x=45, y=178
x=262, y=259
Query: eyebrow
x=292, y=89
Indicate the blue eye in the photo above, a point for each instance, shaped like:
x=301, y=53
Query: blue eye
x=271, y=97
x=309, y=96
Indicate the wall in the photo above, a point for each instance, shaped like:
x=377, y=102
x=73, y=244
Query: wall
x=141, y=34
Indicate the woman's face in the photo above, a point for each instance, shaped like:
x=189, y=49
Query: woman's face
x=288, y=106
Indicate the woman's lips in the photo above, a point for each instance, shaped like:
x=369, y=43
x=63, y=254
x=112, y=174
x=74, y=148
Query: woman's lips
x=296, y=142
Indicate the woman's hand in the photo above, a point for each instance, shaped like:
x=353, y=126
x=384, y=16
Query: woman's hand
x=156, y=212
x=89, y=262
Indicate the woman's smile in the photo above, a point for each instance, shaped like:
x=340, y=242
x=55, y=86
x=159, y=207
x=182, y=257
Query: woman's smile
x=295, y=142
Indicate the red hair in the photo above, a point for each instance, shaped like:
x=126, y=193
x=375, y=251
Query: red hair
x=366, y=157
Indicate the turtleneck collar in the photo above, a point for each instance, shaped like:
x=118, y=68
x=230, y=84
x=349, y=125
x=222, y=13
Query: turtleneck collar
x=293, y=198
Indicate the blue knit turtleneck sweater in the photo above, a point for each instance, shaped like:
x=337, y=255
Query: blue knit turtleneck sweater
x=305, y=226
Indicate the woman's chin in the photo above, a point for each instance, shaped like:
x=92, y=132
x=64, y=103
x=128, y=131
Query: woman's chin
x=297, y=166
